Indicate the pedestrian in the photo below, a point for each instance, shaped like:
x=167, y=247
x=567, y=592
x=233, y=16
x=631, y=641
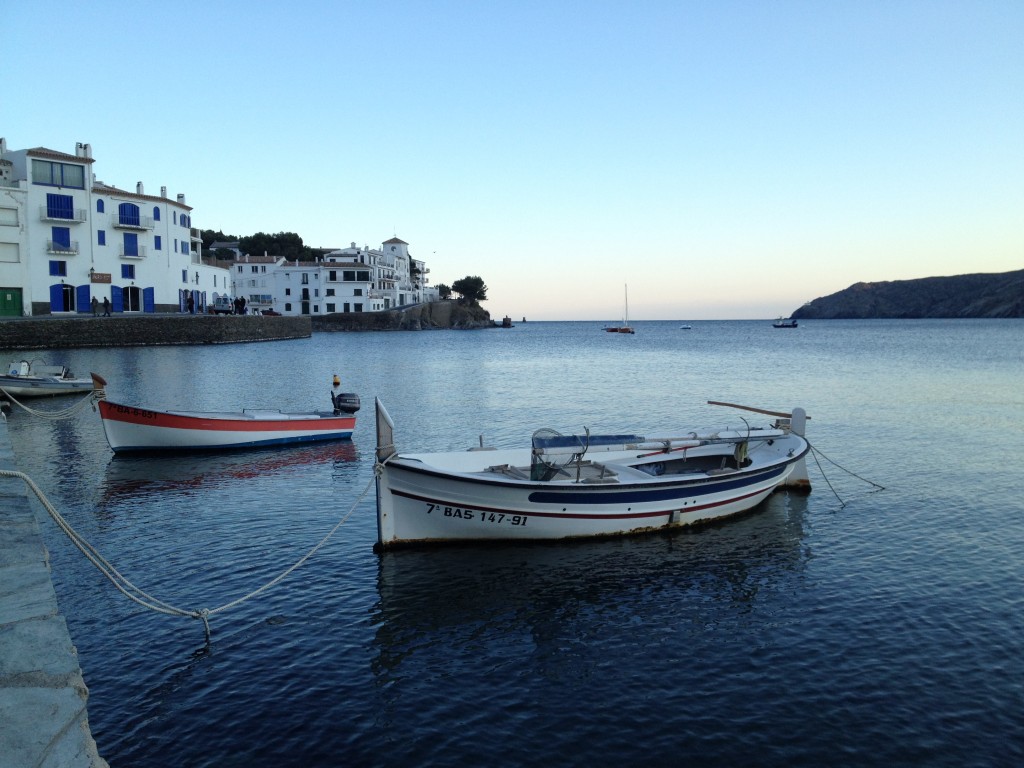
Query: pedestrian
x=95, y=307
x=191, y=305
x=106, y=307
x=241, y=304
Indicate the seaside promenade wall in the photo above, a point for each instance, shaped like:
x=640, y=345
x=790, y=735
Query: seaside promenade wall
x=147, y=330
x=43, y=717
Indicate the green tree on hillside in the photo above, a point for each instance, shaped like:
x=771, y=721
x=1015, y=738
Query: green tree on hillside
x=287, y=244
x=443, y=291
x=472, y=289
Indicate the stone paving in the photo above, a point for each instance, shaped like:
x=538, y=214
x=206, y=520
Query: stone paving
x=43, y=717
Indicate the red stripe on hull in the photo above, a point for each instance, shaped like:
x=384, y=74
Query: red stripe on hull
x=144, y=417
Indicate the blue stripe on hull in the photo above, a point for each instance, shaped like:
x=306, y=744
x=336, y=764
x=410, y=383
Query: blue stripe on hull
x=655, y=494
x=233, y=445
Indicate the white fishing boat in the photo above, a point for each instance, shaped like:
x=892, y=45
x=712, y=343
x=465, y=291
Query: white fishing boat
x=32, y=378
x=129, y=428
x=570, y=486
x=785, y=322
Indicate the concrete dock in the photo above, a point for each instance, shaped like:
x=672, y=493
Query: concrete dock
x=43, y=717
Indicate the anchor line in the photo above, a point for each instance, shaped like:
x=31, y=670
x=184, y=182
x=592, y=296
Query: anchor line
x=141, y=597
x=816, y=453
x=93, y=396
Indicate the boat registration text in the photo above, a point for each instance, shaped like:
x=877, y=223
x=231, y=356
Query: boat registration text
x=498, y=518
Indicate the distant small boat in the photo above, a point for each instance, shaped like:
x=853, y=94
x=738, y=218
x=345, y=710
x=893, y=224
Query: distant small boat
x=132, y=429
x=26, y=378
x=784, y=323
x=685, y=327
x=625, y=327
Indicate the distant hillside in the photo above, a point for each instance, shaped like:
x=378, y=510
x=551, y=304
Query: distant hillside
x=982, y=295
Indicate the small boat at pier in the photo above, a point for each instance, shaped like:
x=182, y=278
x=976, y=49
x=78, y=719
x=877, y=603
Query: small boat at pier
x=27, y=378
x=132, y=429
x=573, y=486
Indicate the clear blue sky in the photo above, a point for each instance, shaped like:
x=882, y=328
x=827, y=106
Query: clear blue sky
x=725, y=159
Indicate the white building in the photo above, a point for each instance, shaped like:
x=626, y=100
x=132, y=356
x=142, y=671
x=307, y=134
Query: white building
x=350, y=279
x=66, y=238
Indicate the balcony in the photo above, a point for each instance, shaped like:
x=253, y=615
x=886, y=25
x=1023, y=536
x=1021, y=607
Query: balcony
x=64, y=249
x=76, y=216
x=138, y=253
x=131, y=222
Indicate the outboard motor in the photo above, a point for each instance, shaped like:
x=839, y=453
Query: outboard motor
x=343, y=402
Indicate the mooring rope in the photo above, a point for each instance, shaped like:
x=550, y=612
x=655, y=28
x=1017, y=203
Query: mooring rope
x=94, y=395
x=816, y=453
x=136, y=594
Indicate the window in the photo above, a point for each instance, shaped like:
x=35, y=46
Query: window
x=128, y=214
x=358, y=307
x=58, y=174
x=59, y=268
x=330, y=308
x=60, y=206
x=287, y=291
x=128, y=271
x=287, y=307
x=239, y=270
x=61, y=237
x=175, y=217
x=157, y=242
x=330, y=292
x=184, y=275
x=99, y=206
x=255, y=269
x=131, y=244
x=357, y=291
x=305, y=278
x=156, y=213
x=175, y=245
x=101, y=237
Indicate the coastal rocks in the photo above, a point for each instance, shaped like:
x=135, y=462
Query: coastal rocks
x=421, y=317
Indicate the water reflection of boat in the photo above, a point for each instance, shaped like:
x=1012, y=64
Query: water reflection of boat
x=542, y=598
x=132, y=474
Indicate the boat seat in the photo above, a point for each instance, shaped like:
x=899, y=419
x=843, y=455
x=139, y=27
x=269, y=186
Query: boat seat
x=508, y=469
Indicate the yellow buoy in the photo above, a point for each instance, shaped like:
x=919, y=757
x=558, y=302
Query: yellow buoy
x=337, y=381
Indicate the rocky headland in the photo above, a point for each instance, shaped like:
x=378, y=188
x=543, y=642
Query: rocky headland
x=422, y=317
x=978, y=295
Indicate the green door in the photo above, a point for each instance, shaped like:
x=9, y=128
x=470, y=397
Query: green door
x=10, y=302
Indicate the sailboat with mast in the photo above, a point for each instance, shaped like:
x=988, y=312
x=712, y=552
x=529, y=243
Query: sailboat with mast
x=625, y=327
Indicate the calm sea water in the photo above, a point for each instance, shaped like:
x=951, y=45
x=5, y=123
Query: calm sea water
x=886, y=631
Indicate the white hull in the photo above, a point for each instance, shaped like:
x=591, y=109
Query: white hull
x=488, y=495
x=128, y=428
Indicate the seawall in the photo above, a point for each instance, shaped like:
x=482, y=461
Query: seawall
x=147, y=330
x=43, y=717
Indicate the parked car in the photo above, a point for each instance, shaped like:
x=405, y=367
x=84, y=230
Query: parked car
x=222, y=305
x=271, y=312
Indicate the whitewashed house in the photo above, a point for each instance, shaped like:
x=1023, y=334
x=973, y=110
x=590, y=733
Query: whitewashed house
x=66, y=238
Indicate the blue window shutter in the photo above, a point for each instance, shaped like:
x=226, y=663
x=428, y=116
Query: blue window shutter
x=148, y=300
x=116, y=299
x=128, y=214
x=60, y=206
x=61, y=236
x=82, y=298
x=101, y=237
x=57, y=297
x=131, y=244
x=99, y=206
x=157, y=242
x=156, y=213
x=184, y=275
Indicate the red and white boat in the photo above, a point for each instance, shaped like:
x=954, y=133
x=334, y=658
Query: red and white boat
x=132, y=429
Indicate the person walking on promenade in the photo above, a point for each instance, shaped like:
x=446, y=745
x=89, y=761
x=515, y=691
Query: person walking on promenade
x=191, y=305
x=106, y=307
x=95, y=307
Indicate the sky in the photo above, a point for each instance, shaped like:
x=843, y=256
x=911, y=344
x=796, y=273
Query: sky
x=725, y=160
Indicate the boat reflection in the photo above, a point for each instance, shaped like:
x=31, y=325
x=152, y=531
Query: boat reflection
x=541, y=598
x=129, y=475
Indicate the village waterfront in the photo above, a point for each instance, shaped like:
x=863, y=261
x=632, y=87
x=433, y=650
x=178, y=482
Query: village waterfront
x=888, y=630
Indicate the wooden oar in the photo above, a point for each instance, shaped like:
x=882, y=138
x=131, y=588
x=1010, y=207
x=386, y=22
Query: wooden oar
x=755, y=410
